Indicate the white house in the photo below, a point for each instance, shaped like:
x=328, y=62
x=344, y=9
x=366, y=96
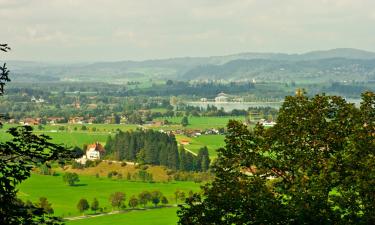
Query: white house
x=93, y=152
x=221, y=97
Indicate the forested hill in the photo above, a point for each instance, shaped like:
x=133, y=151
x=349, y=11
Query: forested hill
x=336, y=65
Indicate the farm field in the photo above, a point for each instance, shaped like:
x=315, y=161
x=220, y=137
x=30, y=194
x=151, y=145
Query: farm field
x=212, y=142
x=205, y=122
x=64, y=198
x=162, y=216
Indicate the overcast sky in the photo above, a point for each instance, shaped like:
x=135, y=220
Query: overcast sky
x=97, y=30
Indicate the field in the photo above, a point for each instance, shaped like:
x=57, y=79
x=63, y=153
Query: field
x=205, y=122
x=73, y=135
x=64, y=198
x=163, y=216
x=212, y=142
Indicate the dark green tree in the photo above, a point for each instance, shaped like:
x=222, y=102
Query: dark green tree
x=184, y=121
x=70, y=178
x=83, y=205
x=156, y=197
x=95, y=205
x=45, y=205
x=307, y=169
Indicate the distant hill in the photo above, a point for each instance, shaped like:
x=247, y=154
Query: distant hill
x=316, y=66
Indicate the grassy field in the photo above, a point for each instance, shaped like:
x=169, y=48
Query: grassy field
x=73, y=135
x=163, y=216
x=213, y=142
x=205, y=122
x=64, y=198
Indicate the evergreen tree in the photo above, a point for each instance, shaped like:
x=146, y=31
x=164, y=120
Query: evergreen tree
x=95, y=205
x=83, y=205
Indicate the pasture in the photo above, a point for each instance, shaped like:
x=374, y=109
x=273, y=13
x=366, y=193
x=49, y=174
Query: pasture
x=162, y=216
x=64, y=198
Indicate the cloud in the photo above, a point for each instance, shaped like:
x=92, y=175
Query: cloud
x=153, y=29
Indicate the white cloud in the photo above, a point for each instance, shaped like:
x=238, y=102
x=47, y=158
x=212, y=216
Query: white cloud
x=152, y=28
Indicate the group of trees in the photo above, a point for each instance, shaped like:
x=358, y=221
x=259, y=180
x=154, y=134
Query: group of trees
x=155, y=148
x=17, y=158
x=316, y=166
x=118, y=201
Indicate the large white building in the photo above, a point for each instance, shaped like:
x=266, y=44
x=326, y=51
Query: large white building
x=221, y=97
x=93, y=152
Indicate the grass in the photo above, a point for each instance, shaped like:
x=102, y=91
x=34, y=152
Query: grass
x=205, y=122
x=64, y=198
x=163, y=216
x=213, y=142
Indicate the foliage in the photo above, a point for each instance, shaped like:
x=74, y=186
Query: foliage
x=133, y=202
x=184, y=121
x=70, y=178
x=95, y=205
x=83, y=205
x=144, y=197
x=117, y=199
x=156, y=197
x=45, y=205
x=316, y=166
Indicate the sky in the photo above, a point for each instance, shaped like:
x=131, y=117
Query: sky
x=114, y=30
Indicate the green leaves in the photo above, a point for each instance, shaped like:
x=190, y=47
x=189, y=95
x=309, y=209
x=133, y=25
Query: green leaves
x=315, y=166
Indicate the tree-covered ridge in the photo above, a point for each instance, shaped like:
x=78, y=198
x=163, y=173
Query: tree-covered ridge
x=155, y=148
x=316, y=166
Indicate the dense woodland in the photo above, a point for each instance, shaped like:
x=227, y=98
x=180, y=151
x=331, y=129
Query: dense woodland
x=155, y=148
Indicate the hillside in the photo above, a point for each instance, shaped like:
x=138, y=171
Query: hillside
x=335, y=64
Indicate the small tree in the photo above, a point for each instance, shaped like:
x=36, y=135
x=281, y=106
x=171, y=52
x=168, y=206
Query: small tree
x=133, y=202
x=117, y=199
x=155, y=197
x=182, y=196
x=184, y=121
x=176, y=195
x=144, y=198
x=95, y=205
x=83, y=205
x=164, y=200
x=70, y=178
x=45, y=205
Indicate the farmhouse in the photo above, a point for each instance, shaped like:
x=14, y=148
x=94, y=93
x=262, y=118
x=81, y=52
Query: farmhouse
x=221, y=97
x=93, y=152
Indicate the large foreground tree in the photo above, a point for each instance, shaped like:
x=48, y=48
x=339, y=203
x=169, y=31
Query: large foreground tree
x=316, y=166
x=17, y=158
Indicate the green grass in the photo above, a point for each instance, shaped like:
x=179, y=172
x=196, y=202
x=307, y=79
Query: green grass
x=205, y=122
x=64, y=198
x=71, y=137
x=213, y=142
x=163, y=216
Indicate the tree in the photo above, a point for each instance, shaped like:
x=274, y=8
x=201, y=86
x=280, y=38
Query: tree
x=83, y=205
x=176, y=195
x=184, y=121
x=45, y=205
x=313, y=167
x=144, y=197
x=156, y=197
x=133, y=202
x=17, y=157
x=70, y=178
x=203, y=159
x=95, y=205
x=117, y=199
x=164, y=200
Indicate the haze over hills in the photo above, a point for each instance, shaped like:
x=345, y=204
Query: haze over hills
x=317, y=66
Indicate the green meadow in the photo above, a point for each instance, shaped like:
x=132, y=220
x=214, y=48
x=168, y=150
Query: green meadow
x=64, y=198
x=162, y=216
x=212, y=142
x=205, y=122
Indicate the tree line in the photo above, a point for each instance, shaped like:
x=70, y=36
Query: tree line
x=155, y=148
